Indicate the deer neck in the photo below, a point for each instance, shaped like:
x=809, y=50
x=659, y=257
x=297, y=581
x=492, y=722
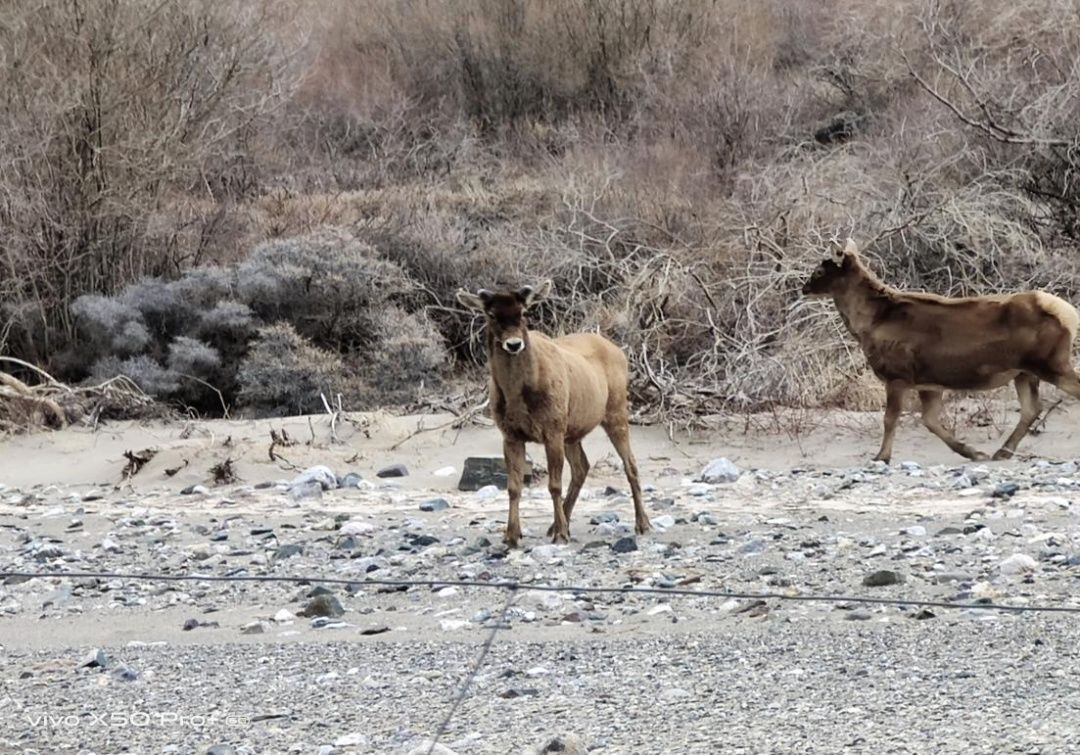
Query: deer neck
x=858, y=304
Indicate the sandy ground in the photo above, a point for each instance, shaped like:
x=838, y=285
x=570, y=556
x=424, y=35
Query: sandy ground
x=78, y=457
x=409, y=670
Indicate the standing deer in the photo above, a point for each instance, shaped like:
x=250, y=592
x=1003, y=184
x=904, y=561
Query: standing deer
x=553, y=391
x=933, y=343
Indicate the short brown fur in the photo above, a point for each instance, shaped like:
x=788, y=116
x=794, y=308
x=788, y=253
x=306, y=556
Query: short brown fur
x=553, y=391
x=930, y=343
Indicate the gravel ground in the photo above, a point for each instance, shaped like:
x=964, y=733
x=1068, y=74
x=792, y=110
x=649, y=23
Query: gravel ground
x=117, y=665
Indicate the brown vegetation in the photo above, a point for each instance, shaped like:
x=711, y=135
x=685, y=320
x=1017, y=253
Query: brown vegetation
x=675, y=167
x=555, y=392
x=930, y=343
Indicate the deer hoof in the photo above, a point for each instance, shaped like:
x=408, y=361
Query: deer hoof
x=512, y=539
x=885, y=459
x=980, y=456
x=1002, y=454
x=561, y=537
x=642, y=528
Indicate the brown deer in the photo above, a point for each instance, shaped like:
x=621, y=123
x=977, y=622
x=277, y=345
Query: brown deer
x=929, y=343
x=553, y=391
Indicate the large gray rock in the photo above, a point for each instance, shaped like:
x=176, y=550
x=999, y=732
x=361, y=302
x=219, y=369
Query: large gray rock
x=324, y=476
x=481, y=471
x=720, y=470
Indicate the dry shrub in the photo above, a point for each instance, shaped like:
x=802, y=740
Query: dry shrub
x=126, y=105
x=676, y=168
x=285, y=374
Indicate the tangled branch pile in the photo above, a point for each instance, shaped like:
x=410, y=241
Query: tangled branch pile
x=52, y=404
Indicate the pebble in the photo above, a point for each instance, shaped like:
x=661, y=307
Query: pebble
x=624, y=545
x=1018, y=563
x=664, y=522
x=487, y=493
x=882, y=578
x=435, y=504
x=350, y=480
x=322, y=606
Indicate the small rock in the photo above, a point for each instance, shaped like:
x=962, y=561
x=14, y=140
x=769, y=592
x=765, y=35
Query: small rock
x=488, y=492
x=547, y=554
x=1005, y=490
x=753, y=547
x=445, y=472
x=221, y=750
x=284, y=615
x=514, y=693
x=916, y=530
x=323, y=476
x=254, y=627
x=664, y=522
x=394, y=470
x=882, y=578
x=380, y=629
x=604, y=517
x=311, y=491
x=435, y=504
x=425, y=748
x=195, y=490
x=858, y=615
x=350, y=480
x=571, y=744
x=322, y=606
x=350, y=740
x=124, y=673
x=288, y=551
x=95, y=659
x=624, y=545
x=452, y=625
x=355, y=527
x=924, y=614
x=1018, y=563
x=719, y=471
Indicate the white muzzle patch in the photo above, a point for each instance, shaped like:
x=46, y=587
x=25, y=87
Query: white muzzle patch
x=513, y=345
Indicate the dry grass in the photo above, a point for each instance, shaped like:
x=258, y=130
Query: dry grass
x=676, y=168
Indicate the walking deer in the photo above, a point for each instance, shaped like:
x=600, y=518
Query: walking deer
x=553, y=391
x=930, y=343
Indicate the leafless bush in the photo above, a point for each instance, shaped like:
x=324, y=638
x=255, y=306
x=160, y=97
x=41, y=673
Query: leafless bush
x=109, y=109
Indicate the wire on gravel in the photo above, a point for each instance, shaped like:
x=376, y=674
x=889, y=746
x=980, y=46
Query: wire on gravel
x=513, y=586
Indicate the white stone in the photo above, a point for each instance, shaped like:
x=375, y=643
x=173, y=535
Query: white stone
x=720, y=470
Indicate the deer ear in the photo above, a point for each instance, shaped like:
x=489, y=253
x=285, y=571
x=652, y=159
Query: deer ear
x=475, y=302
x=531, y=296
x=837, y=254
x=850, y=248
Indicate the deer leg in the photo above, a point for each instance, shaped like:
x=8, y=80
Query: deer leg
x=514, y=455
x=618, y=432
x=556, y=456
x=931, y=417
x=1027, y=390
x=579, y=469
x=894, y=403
